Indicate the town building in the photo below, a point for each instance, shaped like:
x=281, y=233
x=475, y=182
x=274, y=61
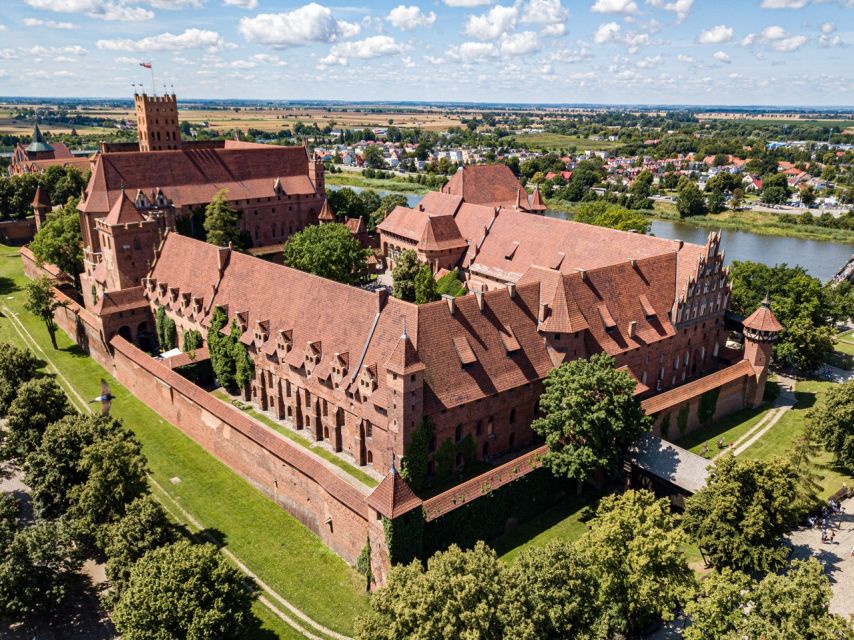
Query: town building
x=39, y=155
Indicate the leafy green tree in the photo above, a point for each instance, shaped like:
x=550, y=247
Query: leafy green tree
x=329, y=251
x=831, y=422
x=165, y=328
x=38, y=403
x=183, y=590
x=634, y=549
x=346, y=203
x=413, y=466
x=690, y=201
x=37, y=567
x=775, y=189
x=808, y=195
x=715, y=201
x=17, y=366
x=805, y=346
x=739, y=518
x=55, y=468
x=450, y=285
x=222, y=221
x=371, y=200
x=59, y=242
x=63, y=184
x=603, y=214
x=590, y=416
x=792, y=605
x=191, y=340
x=737, y=198
x=220, y=349
x=405, y=272
x=144, y=527
x=461, y=594
x=373, y=156
x=425, y=286
x=244, y=369
x=386, y=206
x=41, y=303
x=553, y=593
x=640, y=191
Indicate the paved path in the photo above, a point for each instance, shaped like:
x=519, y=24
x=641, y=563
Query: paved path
x=836, y=556
x=835, y=374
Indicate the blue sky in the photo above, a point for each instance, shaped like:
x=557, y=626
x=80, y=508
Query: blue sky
x=774, y=52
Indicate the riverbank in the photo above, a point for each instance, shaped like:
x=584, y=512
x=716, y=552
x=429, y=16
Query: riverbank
x=379, y=184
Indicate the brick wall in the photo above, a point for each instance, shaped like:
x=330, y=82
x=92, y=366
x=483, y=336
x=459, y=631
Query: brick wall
x=326, y=503
x=17, y=231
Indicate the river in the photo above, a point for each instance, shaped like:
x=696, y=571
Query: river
x=820, y=259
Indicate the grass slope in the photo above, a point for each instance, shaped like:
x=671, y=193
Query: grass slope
x=280, y=550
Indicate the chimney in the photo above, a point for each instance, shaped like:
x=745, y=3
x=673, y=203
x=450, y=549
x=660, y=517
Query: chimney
x=633, y=328
x=382, y=299
x=544, y=312
x=452, y=302
x=479, y=296
x=223, y=254
x=511, y=289
x=583, y=274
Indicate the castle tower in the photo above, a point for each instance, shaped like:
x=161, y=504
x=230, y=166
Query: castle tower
x=128, y=240
x=41, y=205
x=315, y=174
x=405, y=380
x=761, y=330
x=157, y=122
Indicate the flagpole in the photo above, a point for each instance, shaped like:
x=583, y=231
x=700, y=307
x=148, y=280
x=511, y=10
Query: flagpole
x=153, y=86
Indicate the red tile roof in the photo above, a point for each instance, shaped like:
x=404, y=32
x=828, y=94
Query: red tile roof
x=392, y=497
x=123, y=211
x=697, y=387
x=484, y=184
x=41, y=198
x=763, y=319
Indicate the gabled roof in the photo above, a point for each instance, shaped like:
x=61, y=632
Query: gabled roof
x=325, y=214
x=763, y=319
x=485, y=184
x=123, y=211
x=41, y=199
x=404, y=359
x=392, y=497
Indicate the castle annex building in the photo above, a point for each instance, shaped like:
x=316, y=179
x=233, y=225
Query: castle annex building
x=39, y=155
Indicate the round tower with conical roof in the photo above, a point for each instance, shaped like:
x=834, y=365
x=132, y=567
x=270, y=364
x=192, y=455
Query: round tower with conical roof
x=761, y=330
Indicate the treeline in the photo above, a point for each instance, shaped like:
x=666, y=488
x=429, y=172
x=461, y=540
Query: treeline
x=17, y=192
x=88, y=480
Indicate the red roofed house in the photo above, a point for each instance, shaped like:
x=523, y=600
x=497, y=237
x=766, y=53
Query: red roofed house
x=491, y=185
x=39, y=155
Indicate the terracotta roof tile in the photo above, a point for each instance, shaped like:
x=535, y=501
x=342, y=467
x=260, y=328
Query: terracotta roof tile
x=392, y=497
x=763, y=319
x=697, y=387
x=124, y=211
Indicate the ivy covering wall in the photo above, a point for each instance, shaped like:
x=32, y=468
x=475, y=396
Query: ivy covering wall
x=707, y=406
x=404, y=537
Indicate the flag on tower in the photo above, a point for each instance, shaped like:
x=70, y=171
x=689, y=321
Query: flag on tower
x=147, y=65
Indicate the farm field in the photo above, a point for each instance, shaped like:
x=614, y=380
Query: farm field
x=549, y=141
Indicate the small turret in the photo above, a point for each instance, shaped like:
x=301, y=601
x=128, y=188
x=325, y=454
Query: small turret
x=761, y=330
x=41, y=205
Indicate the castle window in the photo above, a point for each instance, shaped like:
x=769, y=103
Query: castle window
x=512, y=415
x=458, y=433
x=432, y=446
x=479, y=428
x=369, y=430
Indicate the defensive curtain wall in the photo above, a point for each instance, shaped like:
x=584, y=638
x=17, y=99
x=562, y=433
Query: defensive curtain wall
x=343, y=512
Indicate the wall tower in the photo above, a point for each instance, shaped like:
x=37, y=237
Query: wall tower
x=761, y=330
x=157, y=122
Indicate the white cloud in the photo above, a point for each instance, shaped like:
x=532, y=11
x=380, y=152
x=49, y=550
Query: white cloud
x=784, y=4
x=497, y=22
x=174, y=4
x=266, y=58
x=189, y=39
x=410, y=18
x=606, y=32
x=649, y=62
x=680, y=7
x=473, y=51
x=684, y=58
x=777, y=38
x=550, y=15
x=373, y=47
x=721, y=56
x=434, y=60
x=792, y=43
x=716, y=35
x=520, y=44
x=827, y=27
x=241, y=4
x=773, y=32
x=39, y=51
x=2, y=27
x=627, y=7
x=307, y=24
x=467, y=3
x=103, y=9
x=50, y=24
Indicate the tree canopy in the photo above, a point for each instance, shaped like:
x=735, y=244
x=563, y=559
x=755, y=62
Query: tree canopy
x=425, y=286
x=738, y=519
x=183, y=590
x=690, y=201
x=603, y=214
x=222, y=221
x=17, y=366
x=38, y=403
x=59, y=242
x=329, y=251
x=41, y=303
x=831, y=422
x=404, y=274
x=590, y=416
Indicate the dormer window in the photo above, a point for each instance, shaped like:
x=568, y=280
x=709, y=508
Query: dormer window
x=242, y=318
x=261, y=333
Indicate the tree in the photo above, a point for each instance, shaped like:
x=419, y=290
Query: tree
x=405, y=272
x=690, y=201
x=461, y=594
x=55, y=468
x=603, y=214
x=590, y=416
x=191, y=340
x=386, y=206
x=144, y=527
x=715, y=201
x=640, y=191
x=373, y=157
x=634, y=548
x=37, y=567
x=831, y=422
x=805, y=346
x=59, y=242
x=183, y=590
x=244, y=369
x=219, y=348
x=165, y=328
x=329, y=251
x=775, y=189
x=737, y=198
x=792, y=605
x=553, y=593
x=425, y=286
x=39, y=402
x=17, y=366
x=222, y=221
x=739, y=518
x=346, y=203
x=449, y=284
x=808, y=195
x=41, y=303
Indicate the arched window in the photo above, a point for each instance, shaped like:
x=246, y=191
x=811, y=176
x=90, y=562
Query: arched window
x=458, y=433
x=370, y=457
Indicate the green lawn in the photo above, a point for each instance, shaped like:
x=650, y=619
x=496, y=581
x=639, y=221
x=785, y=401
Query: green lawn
x=845, y=347
x=730, y=429
x=557, y=141
x=286, y=555
x=778, y=440
x=357, y=473
x=352, y=179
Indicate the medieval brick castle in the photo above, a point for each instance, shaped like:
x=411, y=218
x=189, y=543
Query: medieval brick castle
x=357, y=370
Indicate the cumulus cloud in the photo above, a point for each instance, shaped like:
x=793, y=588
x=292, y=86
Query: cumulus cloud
x=373, y=47
x=50, y=24
x=606, y=33
x=716, y=35
x=721, y=56
x=241, y=4
x=627, y=7
x=775, y=37
x=189, y=39
x=680, y=7
x=827, y=27
x=410, y=18
x=649, y=61
x=549, y=15
x=784, y=4
x=520, y=44
x=467, y=3
x=493, y=24
x=102, y=9
x=305, y=25
x=684, y=58
x=473, y=51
